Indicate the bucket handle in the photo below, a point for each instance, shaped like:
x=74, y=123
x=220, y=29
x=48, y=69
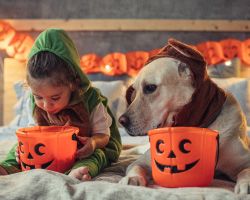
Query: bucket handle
x=75, y=138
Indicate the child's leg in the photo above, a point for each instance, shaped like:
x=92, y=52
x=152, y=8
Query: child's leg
x=10, y=165
x=3, y=171
x=81, y=173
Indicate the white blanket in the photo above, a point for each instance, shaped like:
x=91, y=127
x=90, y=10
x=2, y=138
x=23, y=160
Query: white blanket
x=43, y=184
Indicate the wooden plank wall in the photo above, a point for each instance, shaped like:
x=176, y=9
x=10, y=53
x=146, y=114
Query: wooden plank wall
x=131, y=25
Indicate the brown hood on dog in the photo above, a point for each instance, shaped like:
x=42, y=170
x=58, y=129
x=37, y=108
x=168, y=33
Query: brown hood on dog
x=208, y=98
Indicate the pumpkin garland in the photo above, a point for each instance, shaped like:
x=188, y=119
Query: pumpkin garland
x=17, y=45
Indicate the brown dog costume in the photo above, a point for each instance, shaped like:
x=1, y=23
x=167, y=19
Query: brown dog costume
x=208, y=98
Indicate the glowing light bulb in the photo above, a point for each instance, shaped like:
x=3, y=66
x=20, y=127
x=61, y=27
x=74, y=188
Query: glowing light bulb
x=228, y=63
x=107, y=68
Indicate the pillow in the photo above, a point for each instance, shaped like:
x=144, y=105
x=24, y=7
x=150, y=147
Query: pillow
x=22, y=108
x=240, y=88
x=230, y=68
x=115, y=92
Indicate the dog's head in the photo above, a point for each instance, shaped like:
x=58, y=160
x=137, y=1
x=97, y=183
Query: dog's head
x=163, y=87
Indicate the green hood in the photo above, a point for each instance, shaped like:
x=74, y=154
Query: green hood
x=58, y=42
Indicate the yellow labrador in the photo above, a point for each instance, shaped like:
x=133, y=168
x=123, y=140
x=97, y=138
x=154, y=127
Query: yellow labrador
x=173, y=89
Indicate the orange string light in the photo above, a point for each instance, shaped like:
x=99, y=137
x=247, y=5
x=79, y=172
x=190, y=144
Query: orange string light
x=212, y=52
x=245, y=49
x=135, y=61
x=90, y=63
x=231, y=48
x=114, y=64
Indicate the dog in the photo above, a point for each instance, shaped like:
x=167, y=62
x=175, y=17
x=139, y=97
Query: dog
x=173, y=89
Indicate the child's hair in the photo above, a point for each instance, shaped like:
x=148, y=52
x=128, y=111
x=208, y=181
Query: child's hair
x=45, y=64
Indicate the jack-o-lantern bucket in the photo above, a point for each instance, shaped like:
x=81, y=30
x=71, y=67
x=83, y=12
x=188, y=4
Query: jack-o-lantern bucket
x=183, y=156
x=47, y=147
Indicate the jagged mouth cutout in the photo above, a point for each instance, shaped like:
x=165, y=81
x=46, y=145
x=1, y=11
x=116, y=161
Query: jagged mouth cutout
x=43, y=166
x=173, y=168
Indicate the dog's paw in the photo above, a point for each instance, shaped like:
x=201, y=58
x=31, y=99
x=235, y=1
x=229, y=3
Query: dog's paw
x=133, y=180
x=243, y=182
x=242, y=187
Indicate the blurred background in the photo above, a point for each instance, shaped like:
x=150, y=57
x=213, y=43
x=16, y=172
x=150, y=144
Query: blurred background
x=115, y=38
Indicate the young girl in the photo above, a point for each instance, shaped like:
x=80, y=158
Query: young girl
x=63, y=95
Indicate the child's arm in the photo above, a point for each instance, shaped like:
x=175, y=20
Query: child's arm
x=100, y=140
x=97, y=141
x=107, y=148
x=100, y=132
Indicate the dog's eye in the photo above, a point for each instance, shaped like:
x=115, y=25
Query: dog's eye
x=150, y=88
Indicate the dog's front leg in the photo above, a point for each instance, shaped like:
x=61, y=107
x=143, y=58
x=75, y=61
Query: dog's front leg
x=135, y=176
x=139, y=172
x=243, y=182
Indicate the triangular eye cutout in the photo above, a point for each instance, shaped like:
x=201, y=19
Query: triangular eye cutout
x=185, y=50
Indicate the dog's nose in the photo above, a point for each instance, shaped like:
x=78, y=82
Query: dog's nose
x=124, y=120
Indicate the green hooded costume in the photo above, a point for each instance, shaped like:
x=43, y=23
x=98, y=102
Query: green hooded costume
x=57, y=42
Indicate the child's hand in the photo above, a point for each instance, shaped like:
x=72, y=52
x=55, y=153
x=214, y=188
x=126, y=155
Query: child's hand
x=88, y=148
x=81, y=173
x=17, y=155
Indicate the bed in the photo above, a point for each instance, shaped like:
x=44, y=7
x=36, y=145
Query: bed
x=43, y=184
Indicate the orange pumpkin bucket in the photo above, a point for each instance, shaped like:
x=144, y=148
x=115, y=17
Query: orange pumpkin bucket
x=47, y=147
x=183, y=156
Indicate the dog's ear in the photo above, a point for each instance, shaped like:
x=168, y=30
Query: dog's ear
x=185, y=50
x=130, y=94
x=184, y=71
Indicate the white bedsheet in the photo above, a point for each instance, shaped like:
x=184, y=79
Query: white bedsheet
x=41, y=184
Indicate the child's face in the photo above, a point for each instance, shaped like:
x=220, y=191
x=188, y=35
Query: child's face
x=50, y=98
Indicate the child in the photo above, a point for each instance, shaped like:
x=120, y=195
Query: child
x=63, y=95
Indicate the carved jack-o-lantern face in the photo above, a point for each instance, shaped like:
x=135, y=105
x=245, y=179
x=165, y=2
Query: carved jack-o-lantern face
x=37, y=155
x=183, y=150
x=44, y=147
x=183, y=156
